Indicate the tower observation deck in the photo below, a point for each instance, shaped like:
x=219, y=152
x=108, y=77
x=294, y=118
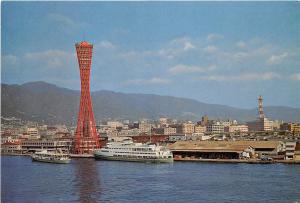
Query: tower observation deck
x=86, y=137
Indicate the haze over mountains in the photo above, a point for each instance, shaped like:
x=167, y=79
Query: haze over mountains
x=40, y=101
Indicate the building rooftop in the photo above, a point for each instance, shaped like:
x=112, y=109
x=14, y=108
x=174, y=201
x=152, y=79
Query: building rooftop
x=222, y=146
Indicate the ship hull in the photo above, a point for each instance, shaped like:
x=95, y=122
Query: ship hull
x=133, y=159
x=51, y=161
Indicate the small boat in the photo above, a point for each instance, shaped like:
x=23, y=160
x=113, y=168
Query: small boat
x=51, y=157
x=127, y=150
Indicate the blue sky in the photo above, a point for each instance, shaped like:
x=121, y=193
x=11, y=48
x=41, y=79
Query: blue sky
x=221, y=52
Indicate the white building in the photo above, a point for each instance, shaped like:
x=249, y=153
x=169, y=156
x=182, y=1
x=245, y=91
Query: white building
x=169, y=131
x=38, y=145
x=114, y=124
x=290, y=150
x=216, y=127
x=261, y=124
x=145, y=127
x=236, y=128
x=188, y=128
x=128, y=132
x=163, y=121
x=200, y=129
x=32, y=131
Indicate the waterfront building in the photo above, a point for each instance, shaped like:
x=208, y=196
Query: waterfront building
x=286, y=127
x=11, y=147
x=297, y=152
x=114, y=124
x=236, y=128
x=225, y=149
x=262, y=123
x=148, y=138
x=42, y=127
x=290, y=150
x=290, y=127
x=204, y=120
x=32, y=131
x=186, y=128
x=9, y=139
x=226, y=123
x=277, y=124
x=200, y=129
x=38, y=145
x=145, y=127
x=111, y=132
x=169, y=131
x=159, y=131
x=215, y=127
x=128, y=132
x=163, y=121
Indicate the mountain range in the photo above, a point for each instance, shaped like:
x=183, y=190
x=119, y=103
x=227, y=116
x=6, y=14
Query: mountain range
x=41, y=101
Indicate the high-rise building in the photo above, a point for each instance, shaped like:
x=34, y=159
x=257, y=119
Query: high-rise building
x=204, y=120
x=215, y=127
x=86, y=137
x=262, y=123
x=260, y=107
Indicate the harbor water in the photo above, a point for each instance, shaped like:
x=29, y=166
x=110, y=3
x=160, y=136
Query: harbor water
x=87, y=180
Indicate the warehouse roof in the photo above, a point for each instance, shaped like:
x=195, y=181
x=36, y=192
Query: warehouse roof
x=222, y=146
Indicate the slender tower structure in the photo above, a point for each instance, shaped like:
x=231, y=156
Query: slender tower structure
x=86, y=138
x=260, y=107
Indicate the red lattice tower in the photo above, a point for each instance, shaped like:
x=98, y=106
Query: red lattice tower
x=86, y=137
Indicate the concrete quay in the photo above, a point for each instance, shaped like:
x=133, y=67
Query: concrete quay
x=81, y=155
x=248, y=161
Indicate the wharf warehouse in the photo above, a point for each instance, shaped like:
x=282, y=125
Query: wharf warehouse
x=227, y=149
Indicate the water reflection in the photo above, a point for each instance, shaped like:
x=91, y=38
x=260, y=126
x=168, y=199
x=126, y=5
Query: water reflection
x=87, y=180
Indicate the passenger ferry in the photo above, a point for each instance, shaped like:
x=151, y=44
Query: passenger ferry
x=50, y=157
x=127, y=150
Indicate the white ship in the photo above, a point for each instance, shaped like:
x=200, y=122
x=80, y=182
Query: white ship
x=127, y=150
x=51, y=157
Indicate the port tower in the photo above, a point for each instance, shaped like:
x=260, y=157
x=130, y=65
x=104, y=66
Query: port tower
x=86, y=137
x=260, y=107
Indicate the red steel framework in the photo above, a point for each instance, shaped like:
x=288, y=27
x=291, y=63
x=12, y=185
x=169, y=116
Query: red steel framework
x=86, y=137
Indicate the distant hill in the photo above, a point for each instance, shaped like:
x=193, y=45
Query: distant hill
x=46, y=102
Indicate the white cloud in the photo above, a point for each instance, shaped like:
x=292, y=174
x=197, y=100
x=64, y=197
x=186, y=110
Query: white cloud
x=243, y=77
x=188, y=45
x=65, y=23
x=61, y=19
x=295, y=76
x=49, y=58
x=210, y=49
x=10, y=60
x=151, y=81
x=54, y=66
x=276, y=59
x=181, y=69
x=177, y=47
x=241, y=44
x=214, y=36
x=105, y=44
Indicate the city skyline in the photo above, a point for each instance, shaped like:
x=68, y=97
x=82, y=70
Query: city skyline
x=223, y=53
